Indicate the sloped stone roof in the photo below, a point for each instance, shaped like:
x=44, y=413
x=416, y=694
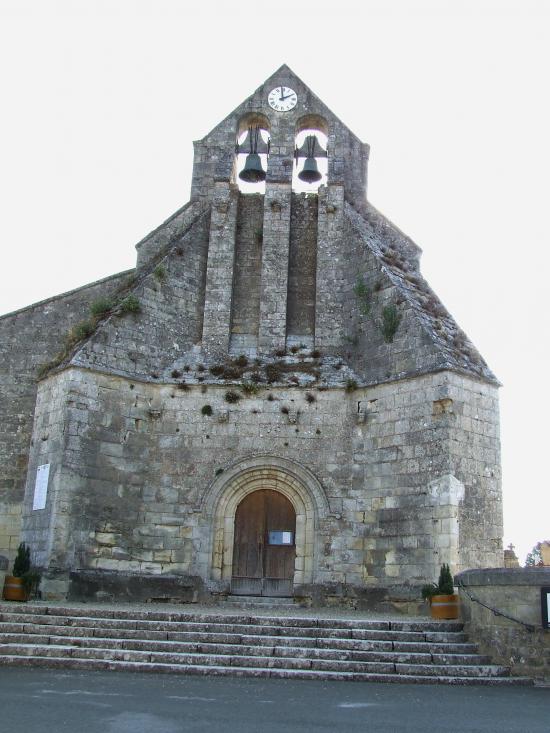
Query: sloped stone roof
x=398, y=257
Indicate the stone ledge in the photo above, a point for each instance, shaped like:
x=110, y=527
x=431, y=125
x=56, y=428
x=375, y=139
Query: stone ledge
x=505, y=576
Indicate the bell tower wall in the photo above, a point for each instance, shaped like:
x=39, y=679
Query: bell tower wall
x=300, y=320
x=245, y=310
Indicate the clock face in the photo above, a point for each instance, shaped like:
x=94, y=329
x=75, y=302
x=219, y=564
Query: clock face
x=282, y=99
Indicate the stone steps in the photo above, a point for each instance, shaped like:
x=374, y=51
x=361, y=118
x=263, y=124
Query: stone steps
x=240, y=644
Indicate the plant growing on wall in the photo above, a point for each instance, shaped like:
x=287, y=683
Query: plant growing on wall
x=159, y=273
x=129, y=304
x=101, y=307
x=206, y=410
x=363, y=296
x=232, y=397
x=391, y=319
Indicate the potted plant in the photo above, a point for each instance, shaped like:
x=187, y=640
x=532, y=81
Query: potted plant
x=18, y=586
x=441, y=597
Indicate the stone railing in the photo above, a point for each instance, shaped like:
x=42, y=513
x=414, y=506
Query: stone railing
x=501, y=609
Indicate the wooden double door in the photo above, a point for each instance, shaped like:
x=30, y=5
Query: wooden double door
x=264, y=550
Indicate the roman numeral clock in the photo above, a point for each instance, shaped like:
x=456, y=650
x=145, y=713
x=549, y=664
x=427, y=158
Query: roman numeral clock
x=282, y=99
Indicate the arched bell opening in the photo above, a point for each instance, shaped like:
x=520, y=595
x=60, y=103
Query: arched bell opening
x=310, y=169
x=251, y=153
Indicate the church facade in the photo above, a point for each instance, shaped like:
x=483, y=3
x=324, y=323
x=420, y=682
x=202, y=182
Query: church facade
x=274, y=402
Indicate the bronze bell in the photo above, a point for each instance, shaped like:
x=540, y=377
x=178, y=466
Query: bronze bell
x=252, y=171
x=310, y=172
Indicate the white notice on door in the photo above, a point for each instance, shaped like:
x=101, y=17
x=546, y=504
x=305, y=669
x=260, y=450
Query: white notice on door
x=41, y=486
x=287, y=538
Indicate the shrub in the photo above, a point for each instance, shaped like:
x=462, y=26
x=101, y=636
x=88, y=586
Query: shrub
x=310, y=397
x=294, y=349
x=175, y=373
x=160, y=273
x=444, y=586
x=285, y=410
x=273, y=372
x=130, y=304
x=351, y=385
x=22, y=562
x=101, y=306
x=316, y=354
x=362, y=294
x=206, y=410
x=232, y=397
x=200, y=367
x=390, y=322
x=217, y=370
x=250, y=388
x=81, y=331
x=241, y=361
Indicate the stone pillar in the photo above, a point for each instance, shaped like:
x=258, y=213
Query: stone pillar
x=446, y=493
x=329, y=326
x=274, y=278
x=219, y=272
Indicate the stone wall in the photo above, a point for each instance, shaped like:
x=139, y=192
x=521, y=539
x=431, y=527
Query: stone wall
x=31, y=337
x=514, y=592
x=302, y=267
x=214, y=157
x=245, y=314
x=131, y=463
x=171, y=297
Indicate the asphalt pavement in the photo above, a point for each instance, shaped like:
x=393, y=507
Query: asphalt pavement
x=53, y=701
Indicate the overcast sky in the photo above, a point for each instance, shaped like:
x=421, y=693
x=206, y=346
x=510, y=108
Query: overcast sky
x=101, y=101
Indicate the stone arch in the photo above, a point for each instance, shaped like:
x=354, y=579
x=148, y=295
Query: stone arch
x=314, y=128
x=300, y=487
x=247, y=122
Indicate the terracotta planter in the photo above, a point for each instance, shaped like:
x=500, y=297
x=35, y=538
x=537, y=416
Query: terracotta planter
x=14, y=590
x=444, y=607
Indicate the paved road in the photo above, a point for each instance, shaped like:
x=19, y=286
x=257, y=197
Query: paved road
x=49, y=701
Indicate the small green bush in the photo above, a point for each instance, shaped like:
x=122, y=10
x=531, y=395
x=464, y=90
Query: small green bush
x=444, y=586
x=160, y=273
x=351, y=385
x=363, y=295
x=101, y=307
x=390, y=322
x=22, y=562
x=81, y=331
x=232, y=397
x=250, y=388
x=206, y=410
x=130, y=304
x=241, y=361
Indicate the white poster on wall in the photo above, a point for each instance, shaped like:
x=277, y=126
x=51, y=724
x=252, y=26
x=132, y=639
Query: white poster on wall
x=41, y=486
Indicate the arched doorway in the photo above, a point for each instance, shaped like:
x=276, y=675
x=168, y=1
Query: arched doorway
x=264, y=549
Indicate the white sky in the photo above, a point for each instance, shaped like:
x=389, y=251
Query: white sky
x=101, y=100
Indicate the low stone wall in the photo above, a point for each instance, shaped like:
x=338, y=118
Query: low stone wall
x=514, y=592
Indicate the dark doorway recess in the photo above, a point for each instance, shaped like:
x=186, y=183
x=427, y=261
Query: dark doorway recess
x=264, y=549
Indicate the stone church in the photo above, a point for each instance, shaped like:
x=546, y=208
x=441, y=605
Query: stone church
x=273, y=402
